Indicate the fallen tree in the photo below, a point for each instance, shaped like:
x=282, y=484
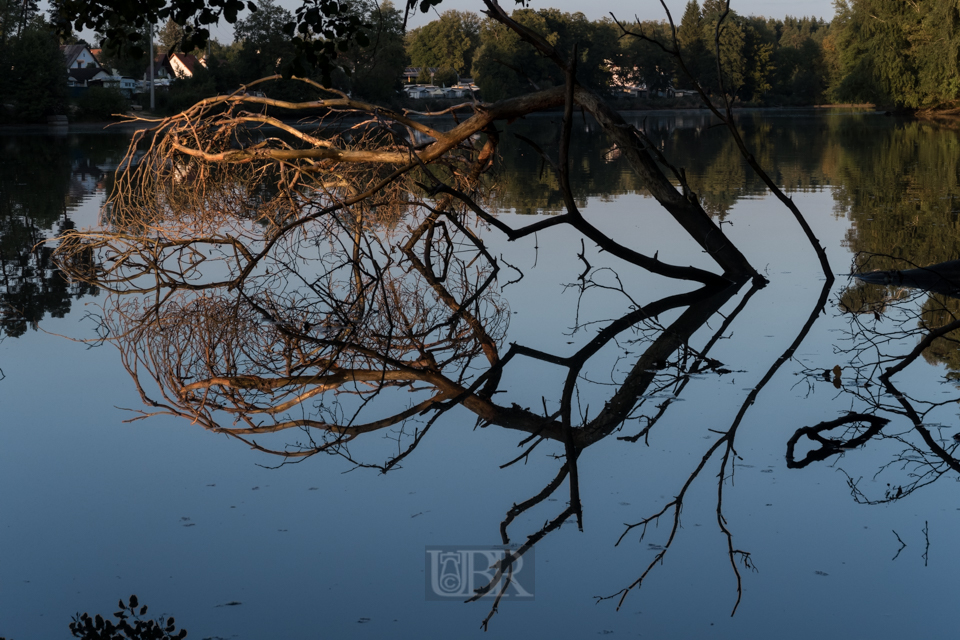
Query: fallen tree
x=267, y=279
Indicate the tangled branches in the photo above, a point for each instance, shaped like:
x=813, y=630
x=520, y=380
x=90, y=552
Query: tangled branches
x=895, y=317
x=330, y=280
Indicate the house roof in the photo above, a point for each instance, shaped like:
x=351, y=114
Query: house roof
x=159, y=63
x=163, y=62
x=187, y=60
x=87, y=73
x=71, y=52
x=413, y=72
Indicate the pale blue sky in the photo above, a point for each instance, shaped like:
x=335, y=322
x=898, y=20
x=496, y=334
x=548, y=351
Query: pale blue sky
x=623, y=9
x=648, y=9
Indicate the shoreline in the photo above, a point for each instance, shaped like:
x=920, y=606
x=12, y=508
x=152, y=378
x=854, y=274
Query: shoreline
x=75, y=127
x=128, y=127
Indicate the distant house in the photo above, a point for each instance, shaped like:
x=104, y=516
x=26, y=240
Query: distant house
x=410, y=74
x=424, y=91
x=127, y=86
x=174, y=66
x=642, y=91
x=86, y=77
x=635, y=92
x=79, y=56
x=185, y=65
x=417, y=92
x=465, y=88
x=83, y=70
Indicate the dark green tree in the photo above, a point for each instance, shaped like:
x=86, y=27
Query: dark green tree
x=760, y=66
x=898, y=52
x=639, y=62
x=376, y=68
x=693, y=45
x=33, y=73
x=596, y=43
x=733, y=63
x=170, y=37
x=505, y=66
x=264, y=49
x=15, y=15
x=121, y=54
x=449, y=41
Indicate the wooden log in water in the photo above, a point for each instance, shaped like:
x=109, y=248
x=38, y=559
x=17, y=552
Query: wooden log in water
x=943, y=277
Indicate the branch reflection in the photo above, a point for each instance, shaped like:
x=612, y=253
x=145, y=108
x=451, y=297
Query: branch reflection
x=298, y=300
x=895, y=317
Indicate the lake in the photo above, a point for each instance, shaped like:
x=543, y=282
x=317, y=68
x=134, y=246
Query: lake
x=740, y=449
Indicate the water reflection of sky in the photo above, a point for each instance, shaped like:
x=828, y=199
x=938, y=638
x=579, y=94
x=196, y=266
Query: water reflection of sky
x=88, y=184
x=95, y=509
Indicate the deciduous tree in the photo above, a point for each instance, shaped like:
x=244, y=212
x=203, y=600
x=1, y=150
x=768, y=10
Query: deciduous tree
x=32, y=78
x=375, y=69
x=447, y=42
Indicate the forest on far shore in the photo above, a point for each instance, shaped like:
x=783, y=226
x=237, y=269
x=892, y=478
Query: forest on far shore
x=894, y=54
x=897, y=55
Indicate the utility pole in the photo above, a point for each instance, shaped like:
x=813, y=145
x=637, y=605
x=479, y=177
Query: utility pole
x=152, y=64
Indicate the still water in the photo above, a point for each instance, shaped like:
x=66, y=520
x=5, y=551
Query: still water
x=848, y=531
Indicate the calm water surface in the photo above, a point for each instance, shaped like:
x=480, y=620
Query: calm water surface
x=856, y=542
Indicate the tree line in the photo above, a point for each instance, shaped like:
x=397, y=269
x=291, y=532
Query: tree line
x=767, y=62
x=764, y=61
x=890, y=54
x=33, y=72
x=898, y=54
x=32, y=69
x=261, y=47
x=905, y=53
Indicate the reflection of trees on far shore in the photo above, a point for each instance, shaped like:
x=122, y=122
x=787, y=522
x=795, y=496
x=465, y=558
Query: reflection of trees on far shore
x=41, y=179
x=802, y=157
x=940, y=311
x=899, y=187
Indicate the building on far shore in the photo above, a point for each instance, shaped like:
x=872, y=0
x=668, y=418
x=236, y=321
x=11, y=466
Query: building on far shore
x=174, y=66
x=84, y=71
x=429, y=91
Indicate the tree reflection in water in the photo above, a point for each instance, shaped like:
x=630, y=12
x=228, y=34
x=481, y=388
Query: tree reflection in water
x=297, y=301
x=38, y=186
